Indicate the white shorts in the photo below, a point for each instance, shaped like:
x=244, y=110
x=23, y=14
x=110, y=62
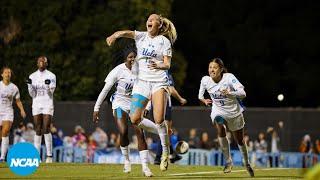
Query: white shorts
x=233, y=124
x=123, y=103
x=42, y=110
x=147, y=88
x=6, y=117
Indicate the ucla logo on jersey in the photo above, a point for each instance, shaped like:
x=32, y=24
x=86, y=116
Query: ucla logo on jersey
x=23, y=159
x=147, y=52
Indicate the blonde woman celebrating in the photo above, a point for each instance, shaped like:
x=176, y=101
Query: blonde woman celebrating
x=153, y=59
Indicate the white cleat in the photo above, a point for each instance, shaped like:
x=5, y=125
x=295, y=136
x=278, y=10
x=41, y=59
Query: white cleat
x=49, y=159
x=127, y=166
x=164, y=162
x=147, y=172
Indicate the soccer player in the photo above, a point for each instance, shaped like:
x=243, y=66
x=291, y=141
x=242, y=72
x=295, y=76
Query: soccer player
x=124, y=79
x=8, y=92
x=153, y=59
x=225, y=91
x=41, y=86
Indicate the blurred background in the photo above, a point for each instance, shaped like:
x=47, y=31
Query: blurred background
x=271, y=46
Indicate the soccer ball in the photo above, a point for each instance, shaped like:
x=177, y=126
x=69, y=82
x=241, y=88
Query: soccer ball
x=182, y=147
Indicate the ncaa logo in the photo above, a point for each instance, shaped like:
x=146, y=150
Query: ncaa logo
x=23, y=159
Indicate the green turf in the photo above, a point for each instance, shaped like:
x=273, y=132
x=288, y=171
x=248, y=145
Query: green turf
x=110, y=171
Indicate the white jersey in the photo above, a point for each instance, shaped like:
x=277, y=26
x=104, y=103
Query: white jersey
x=124, y=80
x=7, y=94
x=151, y=49
x=225, y=106
x=42, y=93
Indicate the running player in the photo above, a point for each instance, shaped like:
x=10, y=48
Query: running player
x=8, y=92
x=153, y=59
x=225, y=91
x=41, y=86
x=124, y=79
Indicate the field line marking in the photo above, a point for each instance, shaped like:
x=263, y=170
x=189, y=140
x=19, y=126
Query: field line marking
x=210, y=172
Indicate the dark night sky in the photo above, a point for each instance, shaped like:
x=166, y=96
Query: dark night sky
x=271, y=46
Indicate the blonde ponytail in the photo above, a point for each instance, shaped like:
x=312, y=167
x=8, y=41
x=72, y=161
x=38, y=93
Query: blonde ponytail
x=168, y=30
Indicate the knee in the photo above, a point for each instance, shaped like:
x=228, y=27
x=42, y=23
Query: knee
x=38, y=130
x=135, y=119
x=5, y=132
x=46, y=130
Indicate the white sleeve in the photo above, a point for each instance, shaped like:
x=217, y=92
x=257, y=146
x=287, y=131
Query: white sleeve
x=202, y=89
x=237, y=89
x=110, y=80
x=52, y=85
x=16, y=93
x=138, y=35
x=31, y=89
x=167, y=51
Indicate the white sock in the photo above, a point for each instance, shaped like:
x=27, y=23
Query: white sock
x=125, y=152
x=164, y=138
x=244, y=152
x=225, y=147
x=37, y=142
x=148, y=125
x=144, y=156
x=48, y=141
x=4, y=147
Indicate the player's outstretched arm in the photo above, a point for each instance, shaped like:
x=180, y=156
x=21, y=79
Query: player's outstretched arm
x=125, y=33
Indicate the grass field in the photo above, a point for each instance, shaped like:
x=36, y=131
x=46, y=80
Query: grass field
x=111, y=171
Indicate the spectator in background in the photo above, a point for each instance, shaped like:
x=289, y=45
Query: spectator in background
x=79, y=138
x=113, y=140
x=29, y=133
x=306, y=146
x=204, y=142
x=17, y=135
x=100, y=137
x=261, y=146
x=249, y=143
x=274, y=141
x=68, y=149
x=193, y=140
x=57, y=137
x=92, y=146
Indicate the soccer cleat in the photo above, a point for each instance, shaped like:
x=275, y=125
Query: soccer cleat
x=147, y=172
x=49, y=159
x=127, y=166
x=164, y=162
x=228, y=167
x=250, y=170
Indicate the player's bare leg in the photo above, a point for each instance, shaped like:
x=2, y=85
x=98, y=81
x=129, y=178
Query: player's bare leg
x=47, y=136
x=225, y=147
x=38, y=128
x=143, y=152
x=238, y=135
x=159, y=100
x=6, y=126
x=121, y=121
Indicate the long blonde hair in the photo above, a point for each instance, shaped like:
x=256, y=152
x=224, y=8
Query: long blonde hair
x=167, y=29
